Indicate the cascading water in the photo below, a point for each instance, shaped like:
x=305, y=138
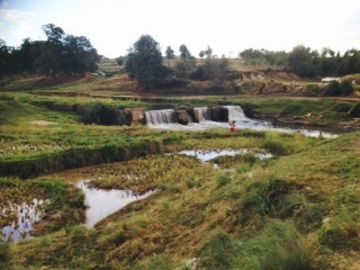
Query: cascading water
x=166, y=120
x=160, y=117
x=202, y=113
x=236, y=113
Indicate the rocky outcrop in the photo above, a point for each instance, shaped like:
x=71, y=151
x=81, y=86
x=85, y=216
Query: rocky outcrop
x=219, y=114
x=182, y=116
x=137, y=117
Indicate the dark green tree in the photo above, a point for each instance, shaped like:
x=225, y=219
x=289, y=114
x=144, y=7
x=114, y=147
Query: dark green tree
x=184, y=52
x=120, y=60
x=301, y=61
x=169, y=54
x=144, y=62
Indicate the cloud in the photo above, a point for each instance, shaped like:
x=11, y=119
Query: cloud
x=15, y=25
x=13, y=15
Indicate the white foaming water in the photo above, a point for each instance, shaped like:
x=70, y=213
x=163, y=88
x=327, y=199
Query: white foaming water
x=159, y=117
x=235, y=114
x=102, y=203
x=202, y=113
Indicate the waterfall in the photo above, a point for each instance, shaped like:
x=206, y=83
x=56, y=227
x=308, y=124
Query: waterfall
x=236, y=113
x=202, y=113
x=158, y=117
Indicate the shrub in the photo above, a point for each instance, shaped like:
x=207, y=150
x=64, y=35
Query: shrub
x=184, y=68
x=334, y=88
x=99, y=114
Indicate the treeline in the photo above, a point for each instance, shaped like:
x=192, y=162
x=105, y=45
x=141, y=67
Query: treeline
x=144, y=63
x=60, y=54
x=306, y=62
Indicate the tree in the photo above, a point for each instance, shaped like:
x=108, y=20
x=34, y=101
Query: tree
x=301, y=61
x=184, y=52
x=4, y=58
x=169, y=54
x=51, y=58
x=59, y=54
x=53, y=33
x=120, y=60
x=79, y=55
x=184, y=68
x=144, y=62
x=208, y=52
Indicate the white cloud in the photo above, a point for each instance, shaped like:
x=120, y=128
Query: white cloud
x=15, y=25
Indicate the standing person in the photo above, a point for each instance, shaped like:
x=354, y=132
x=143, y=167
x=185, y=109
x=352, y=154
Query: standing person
x=232, y=127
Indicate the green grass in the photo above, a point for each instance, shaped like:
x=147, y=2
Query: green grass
x=296, y=211
x=262, y=217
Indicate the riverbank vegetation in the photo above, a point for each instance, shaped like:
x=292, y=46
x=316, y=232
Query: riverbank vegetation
x=304, y=202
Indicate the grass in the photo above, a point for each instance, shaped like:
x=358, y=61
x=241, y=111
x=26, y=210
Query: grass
x=261, y=217
x=298, y=210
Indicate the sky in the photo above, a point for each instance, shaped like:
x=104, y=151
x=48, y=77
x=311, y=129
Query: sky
x=227, y=26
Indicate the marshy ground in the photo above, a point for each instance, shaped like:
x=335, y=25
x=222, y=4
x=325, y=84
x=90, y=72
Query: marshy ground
x=297, y=210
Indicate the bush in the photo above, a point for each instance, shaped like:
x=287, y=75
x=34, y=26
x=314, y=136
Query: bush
x=184, y=68
x=334, y=88
x=99, y=114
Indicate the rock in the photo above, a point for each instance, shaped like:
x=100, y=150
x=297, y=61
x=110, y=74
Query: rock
x=123, y=117
x=219, y=114
x=137, y=117
x=182, y=117
x=355, y=111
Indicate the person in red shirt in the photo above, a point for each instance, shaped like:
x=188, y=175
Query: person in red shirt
x=232, y=127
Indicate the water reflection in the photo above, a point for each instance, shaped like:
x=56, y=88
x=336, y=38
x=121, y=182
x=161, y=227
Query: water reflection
x=206, y=156
x=22, y=218
x=102, y=203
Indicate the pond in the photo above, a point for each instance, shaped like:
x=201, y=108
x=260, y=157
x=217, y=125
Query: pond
x=22, y=218
x=208, y=155
x=101, y=203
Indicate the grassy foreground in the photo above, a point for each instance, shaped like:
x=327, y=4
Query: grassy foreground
x=299, y=211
